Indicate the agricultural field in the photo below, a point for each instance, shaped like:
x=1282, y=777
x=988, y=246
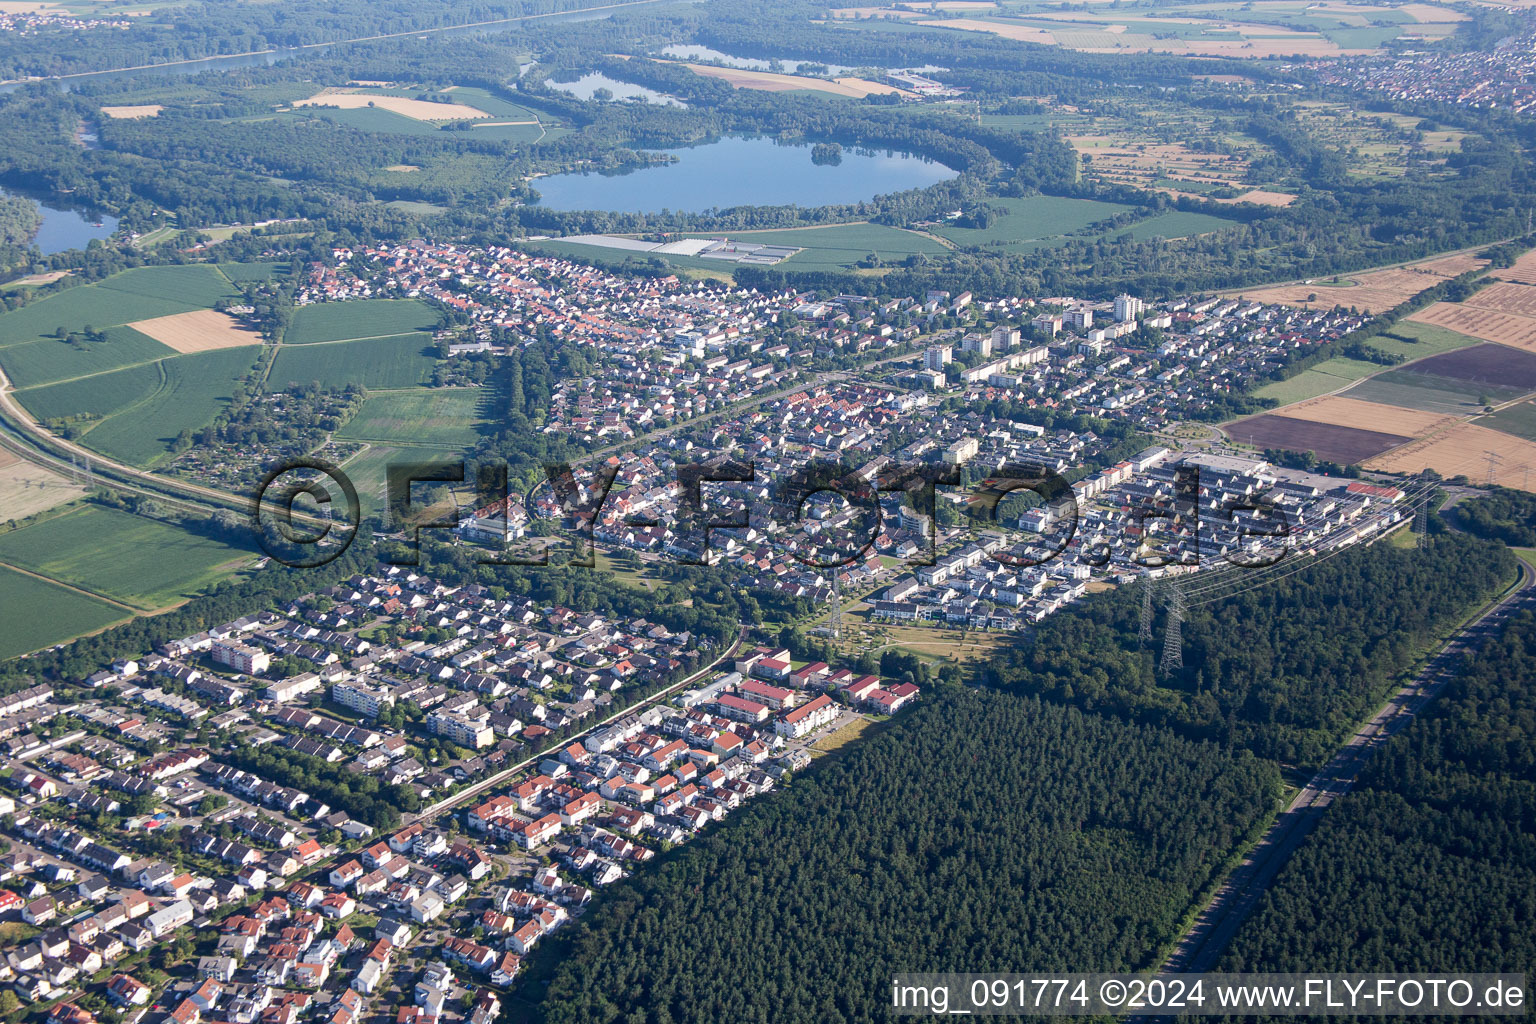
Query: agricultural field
x=1132, y=159
x=416, y=109
x=1522, y=270
x=35, y=613
x=1380, y=145
x=26, y=489
x=1174, y=224
x=1519, y=420
x=421, y=416
x=1480, y=322
x=1344, y=445
x=1415, y=341
x=97, y=396
x=402, y=361
x=360, y=318
x=1372, y=291
x=369, y=473
x=1031, y=219
x=1506, y=297
x=50, y=360
x=1265, y=28
x=1464, y=450
x=202, y=330
x=403, y=111
x=768, y=81
x=1430, y=393
x=151, y=565
x=1484, y=365
x=192, y=391
x=1328, y=376
x=1342, y=411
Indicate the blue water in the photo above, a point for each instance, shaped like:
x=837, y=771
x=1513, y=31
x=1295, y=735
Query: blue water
x=69, y=229
x=587, y=84
x=742, y=172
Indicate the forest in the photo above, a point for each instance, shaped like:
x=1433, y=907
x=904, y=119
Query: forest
x=1280, y=669
x=981, y=831
x=1503, y=514
x=1429, y=863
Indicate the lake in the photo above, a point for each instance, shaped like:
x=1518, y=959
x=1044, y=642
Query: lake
x=743, y=172
x=587, y=84
x=697, y=53
x=69, y=229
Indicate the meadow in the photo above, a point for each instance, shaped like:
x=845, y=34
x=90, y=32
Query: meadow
x=449, y=416
x=1031, y=219
x=838, y=245
x=399, y=362
x=35, y=613
x=138, y=561
x=1330, y=375
x=362, y=318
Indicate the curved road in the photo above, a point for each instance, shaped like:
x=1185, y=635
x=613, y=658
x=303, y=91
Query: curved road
x=1203, y=944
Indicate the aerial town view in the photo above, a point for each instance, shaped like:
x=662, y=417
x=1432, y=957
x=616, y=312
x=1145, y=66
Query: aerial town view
x=672, y=511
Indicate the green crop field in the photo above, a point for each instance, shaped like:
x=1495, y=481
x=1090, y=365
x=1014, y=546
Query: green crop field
x=190, y=392
x=1031, y=219
x=138, y=561
x=450, y=416
x=238, y=272
x=362, y=318
x=1327, y=376
x=1519, y=420
x=101, y=395
x=35, y=613
x=195, y=285
x=369, y=471
x=138, y=294
x=367, y=119
x=1176, y=224
x=50, y=360
x=1427, y=392
x=1415, y=341
x=402, y=362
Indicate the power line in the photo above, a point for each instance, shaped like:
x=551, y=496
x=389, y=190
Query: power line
x=1146, y=614
x=1173, y=639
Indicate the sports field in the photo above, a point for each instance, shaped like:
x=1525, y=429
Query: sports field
x=138, y=561
x=449, y=416
x=399, y=362
x=362, y=318
x=35, y=613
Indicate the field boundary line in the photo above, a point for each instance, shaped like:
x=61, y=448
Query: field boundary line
x=88, y=376
x=114, y=602
x=348, y=341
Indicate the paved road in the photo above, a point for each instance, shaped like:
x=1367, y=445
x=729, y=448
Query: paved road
x=507, y=773
x=1206, y=940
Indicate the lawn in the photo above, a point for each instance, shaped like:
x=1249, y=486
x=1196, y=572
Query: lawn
x=1031, y=219
x=363, y=318
x=450, y=416
x=138, y=561
x=49, y=360
x=1327, y=376
x=400, y=362
x=35, y=613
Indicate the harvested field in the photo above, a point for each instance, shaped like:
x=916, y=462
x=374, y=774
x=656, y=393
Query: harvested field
x=1265, y=41
x=418, y=110
x=767, y=81
x=1344, y=445
x=1523, y=269
x=1464, y=449
x=129, y=113
x=26, y=489
x=1483, y=364
x=1506, y=297
x=1339, y=411
x=1262, y=197
x=202, y=330
x=1374, y=290
x=1488, y=324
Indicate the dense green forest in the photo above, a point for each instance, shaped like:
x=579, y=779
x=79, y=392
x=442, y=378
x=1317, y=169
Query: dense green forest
x=1503, y=514
x=1430, y=862
x=980, y=832
x=1279, y=669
